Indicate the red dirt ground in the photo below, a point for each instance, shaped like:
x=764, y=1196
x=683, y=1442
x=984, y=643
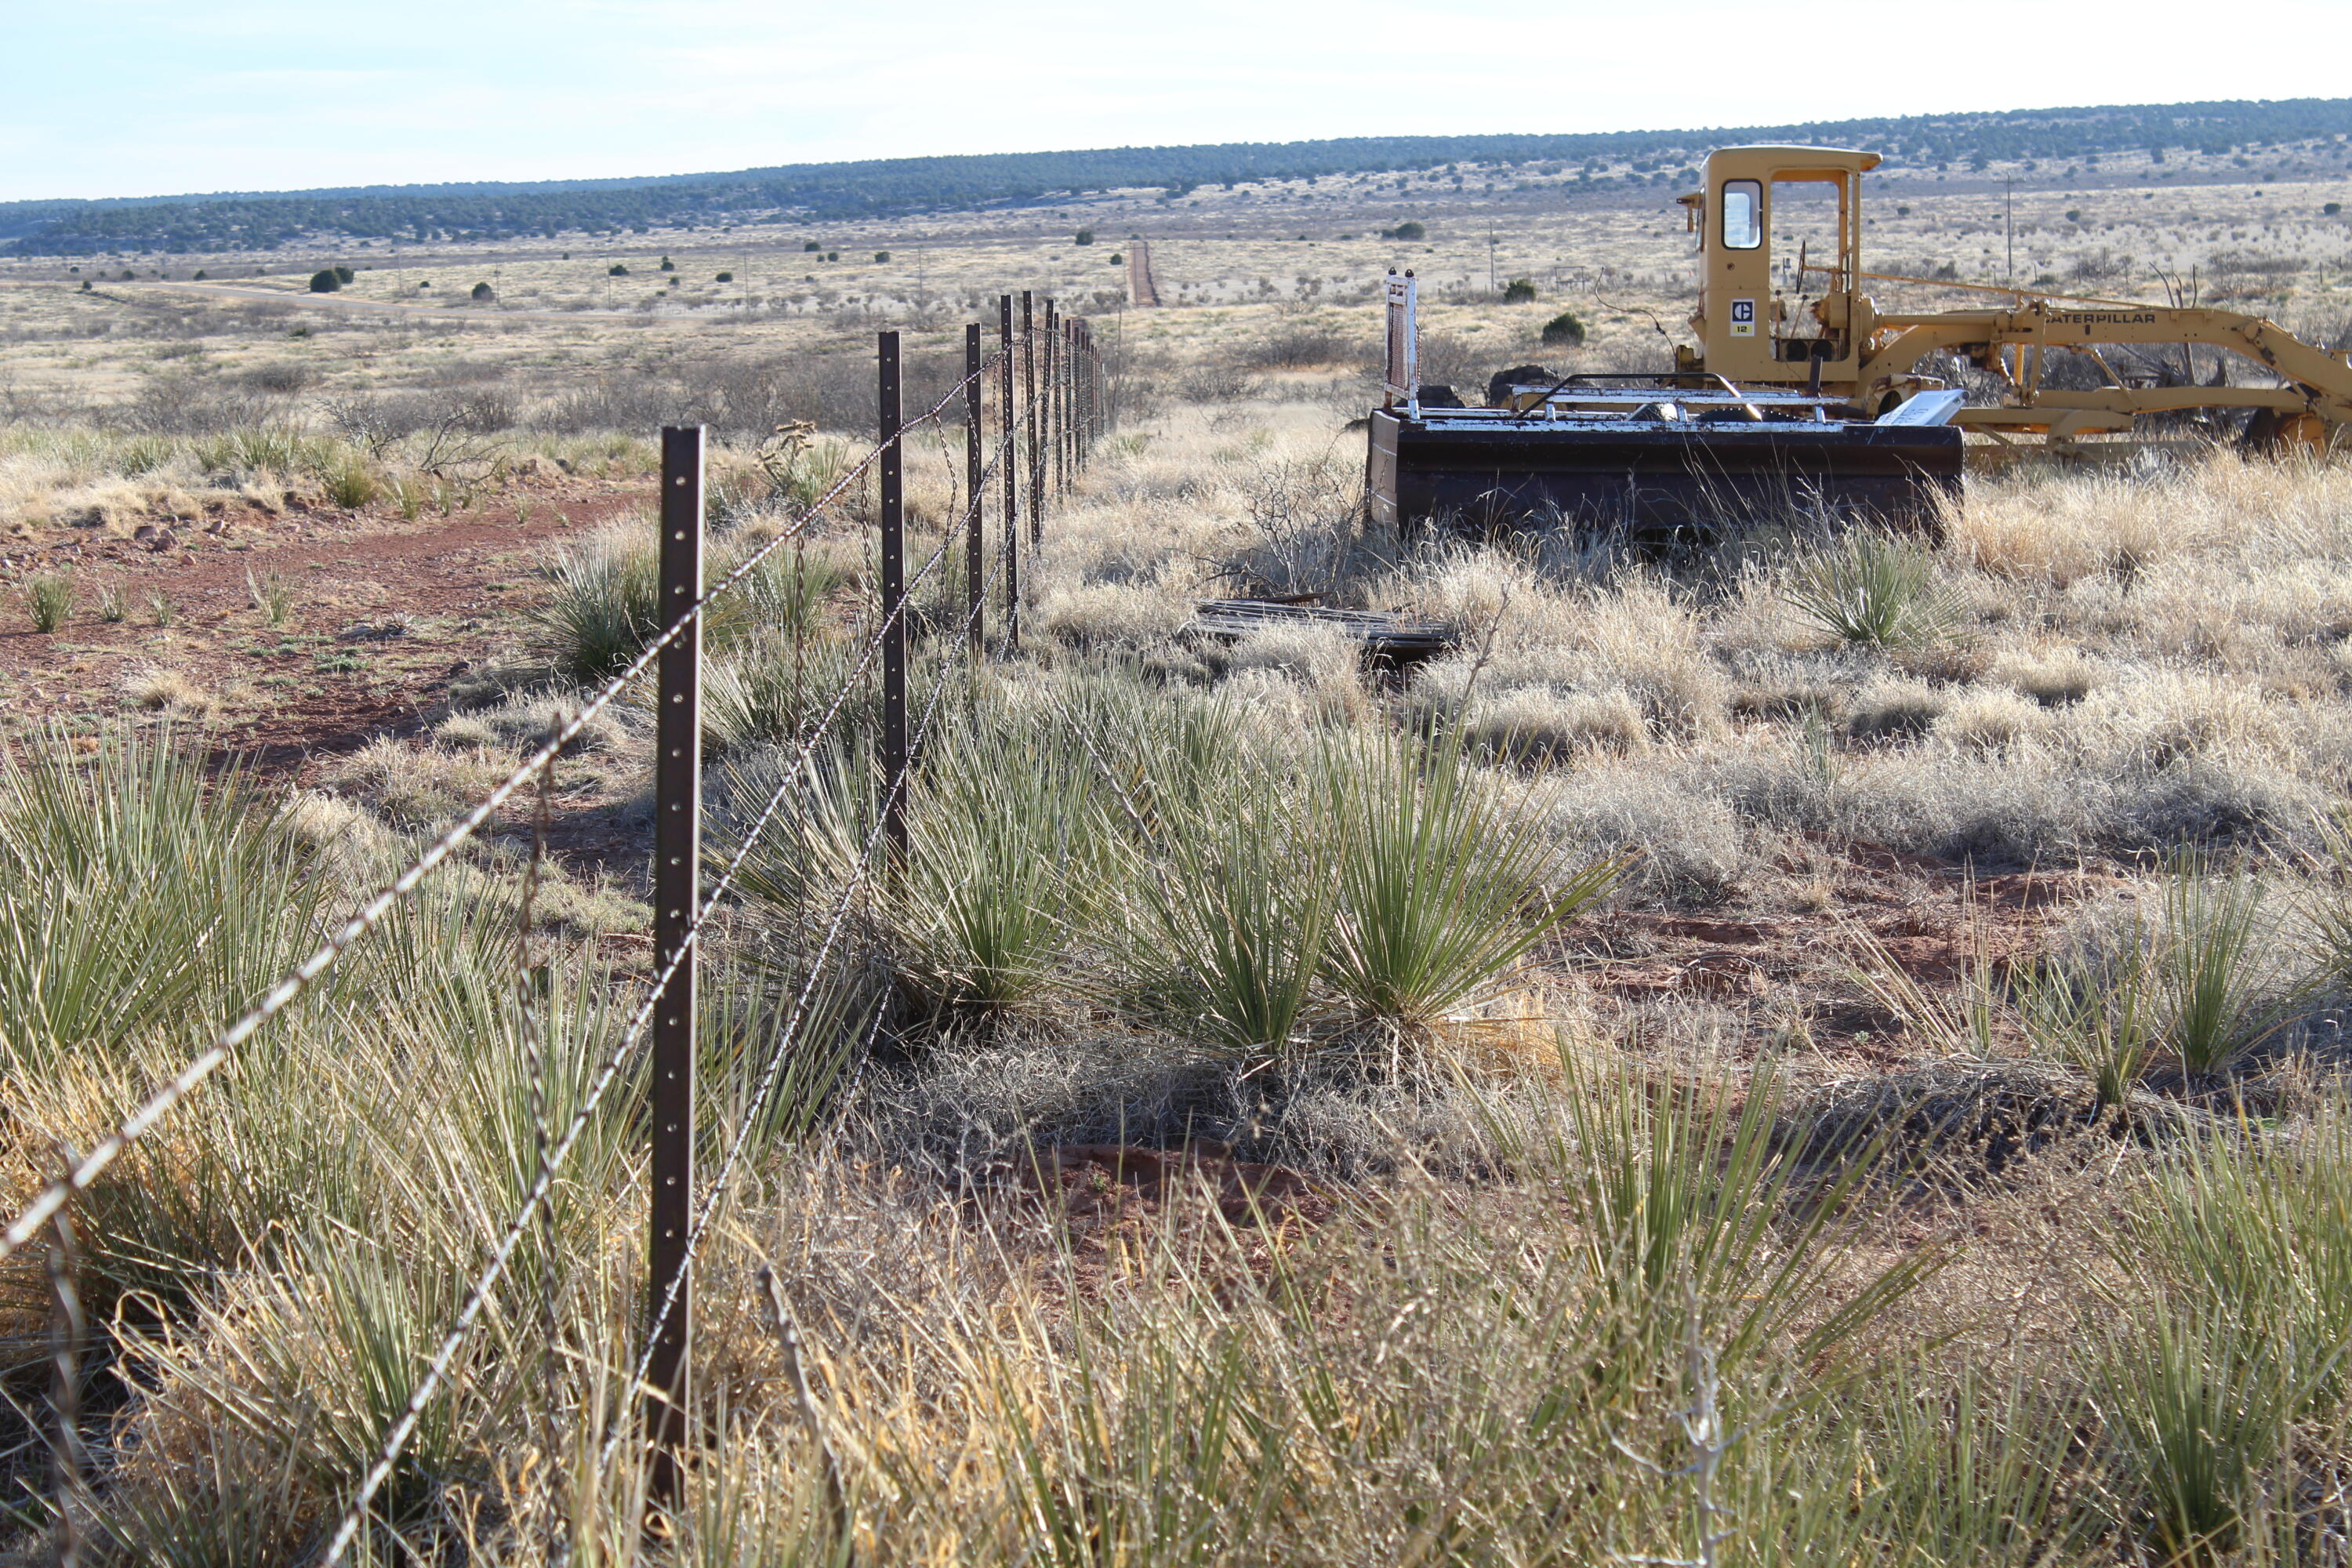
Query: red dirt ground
x=330, y=678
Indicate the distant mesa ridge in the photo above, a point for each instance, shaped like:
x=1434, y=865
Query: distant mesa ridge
x=889, y=187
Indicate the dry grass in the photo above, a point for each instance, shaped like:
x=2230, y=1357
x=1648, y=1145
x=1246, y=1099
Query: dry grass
x=1553, y=1285
x=165, y=690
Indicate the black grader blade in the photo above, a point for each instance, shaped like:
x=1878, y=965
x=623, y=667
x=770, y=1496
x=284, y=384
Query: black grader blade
x=1664, y=468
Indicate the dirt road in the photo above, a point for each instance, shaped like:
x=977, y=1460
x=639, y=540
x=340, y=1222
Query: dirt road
x=396, y=308
x=380, y=614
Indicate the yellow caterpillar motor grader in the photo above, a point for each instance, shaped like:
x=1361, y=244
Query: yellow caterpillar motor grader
x=1839, y=342
x=1801, y=397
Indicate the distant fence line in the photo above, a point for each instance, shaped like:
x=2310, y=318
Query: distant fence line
x=1046, y=376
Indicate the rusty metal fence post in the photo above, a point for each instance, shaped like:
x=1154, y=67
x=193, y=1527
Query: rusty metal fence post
x=1010, y=478
x=677, y=853
x=1054, y=397
x=975, y=554
x=894, y=600
x=1029, y=397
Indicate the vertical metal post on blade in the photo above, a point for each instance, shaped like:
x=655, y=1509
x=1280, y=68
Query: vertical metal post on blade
x=1054, y=398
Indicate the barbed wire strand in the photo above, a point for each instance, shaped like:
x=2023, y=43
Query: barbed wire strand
x=159, y=1104
x=787, y=1040
x=445, y=1354
x=534, y=1051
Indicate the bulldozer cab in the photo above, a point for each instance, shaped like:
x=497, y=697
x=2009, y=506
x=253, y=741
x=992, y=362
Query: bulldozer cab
x=1779, y=247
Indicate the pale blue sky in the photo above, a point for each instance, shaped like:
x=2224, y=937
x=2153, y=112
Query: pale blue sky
x=138, y=96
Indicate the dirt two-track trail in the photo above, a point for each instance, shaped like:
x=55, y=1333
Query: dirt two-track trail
x=382, y=614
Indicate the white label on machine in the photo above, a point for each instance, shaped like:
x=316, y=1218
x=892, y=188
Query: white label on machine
x=1935, y=407
x=1400, y=369
x=1743, y=318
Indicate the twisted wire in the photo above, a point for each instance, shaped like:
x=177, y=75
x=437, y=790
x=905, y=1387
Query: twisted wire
x=786, y=1038
x=445, y=1354
x=52, y=1198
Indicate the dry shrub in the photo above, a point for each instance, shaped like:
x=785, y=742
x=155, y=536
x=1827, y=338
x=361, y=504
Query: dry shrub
x=165, y=690
x=1300, y=348
x=1534, y=724
x=2052, y=677
x=1100, y=615
x=1988, y=720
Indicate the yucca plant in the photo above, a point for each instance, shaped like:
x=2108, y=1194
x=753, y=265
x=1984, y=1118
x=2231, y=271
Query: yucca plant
x=1682, y=1187
x=1872, y=591
x=271, y=593
x=50, y=596
x=2259, y=1231
x=1443, y=884
x=1972, y=1467
x=138, y=894
x=1964, y=1022
x=327, y=1350
x=603, y=603
x=2213, y=969
x=1231, y=907
x=771, y=692
x=2197, y=1411
x=1002, y=871
x=779, y=1046
x=2328, y=905
x=792, y=586
x=2098, y=1011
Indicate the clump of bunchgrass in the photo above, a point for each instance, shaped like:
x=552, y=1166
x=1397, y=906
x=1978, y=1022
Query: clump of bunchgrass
x=271, y=593
x=1872, y=591
x=50, y=596
x=160, y=689
x=352, y=481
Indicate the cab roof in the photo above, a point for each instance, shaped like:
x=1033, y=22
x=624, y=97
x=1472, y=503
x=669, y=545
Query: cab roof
x=1796, y=156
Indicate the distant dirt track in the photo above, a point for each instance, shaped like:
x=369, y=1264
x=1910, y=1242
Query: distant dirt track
x=390, y=308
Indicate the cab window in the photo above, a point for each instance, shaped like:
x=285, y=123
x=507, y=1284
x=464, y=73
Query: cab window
x=1743, y=215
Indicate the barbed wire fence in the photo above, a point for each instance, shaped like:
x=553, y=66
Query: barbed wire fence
x=1048, y=377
